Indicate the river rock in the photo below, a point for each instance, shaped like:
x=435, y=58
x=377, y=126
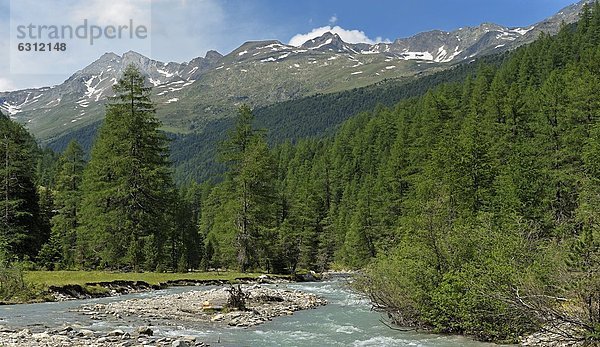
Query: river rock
x=85, y=333
x=24, y=332
x=551, y=337
x=145, y=331
x=189, y=338
x=217, y=317
x=117, y=332
x=180, y=343
x=40, y=336
x=85, y=338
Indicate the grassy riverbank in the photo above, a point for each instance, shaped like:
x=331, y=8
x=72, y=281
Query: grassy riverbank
x=34, y=286
x=62, y=278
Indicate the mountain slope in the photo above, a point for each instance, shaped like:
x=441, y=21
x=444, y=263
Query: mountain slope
x=192, y=95
x=194, y=154
x=79, y=100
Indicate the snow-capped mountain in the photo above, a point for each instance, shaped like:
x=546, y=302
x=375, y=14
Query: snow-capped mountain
x=81, y=96
x=260, y=73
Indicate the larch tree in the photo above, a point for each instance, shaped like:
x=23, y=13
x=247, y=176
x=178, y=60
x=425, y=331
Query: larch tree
x=127, y=185
x=250, y=182
x=67, y=201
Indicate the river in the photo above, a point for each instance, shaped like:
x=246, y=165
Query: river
x=346, y=321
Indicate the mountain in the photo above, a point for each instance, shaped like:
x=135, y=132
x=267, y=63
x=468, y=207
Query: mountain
x=79, y=100
x=192, y=95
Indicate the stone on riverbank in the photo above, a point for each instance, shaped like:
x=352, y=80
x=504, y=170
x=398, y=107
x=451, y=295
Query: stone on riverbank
x=552, y=338
x=70, y=337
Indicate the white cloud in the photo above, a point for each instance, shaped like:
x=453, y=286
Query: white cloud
x=350, y=36
x=6, y=84
x=333, y=19
x=102, y=12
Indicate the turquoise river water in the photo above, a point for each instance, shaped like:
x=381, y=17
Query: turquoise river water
x=346, y=321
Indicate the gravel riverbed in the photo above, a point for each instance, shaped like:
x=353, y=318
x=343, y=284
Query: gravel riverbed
x=194, y=308
x=263, y=304
x=70, y=337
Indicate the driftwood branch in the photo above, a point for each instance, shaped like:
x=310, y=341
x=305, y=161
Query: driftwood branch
x=396, y=328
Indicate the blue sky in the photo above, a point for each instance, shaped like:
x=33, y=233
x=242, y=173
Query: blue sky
x=400, y=18
x=181, y=30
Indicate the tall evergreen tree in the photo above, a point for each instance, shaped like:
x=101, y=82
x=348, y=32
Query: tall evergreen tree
x=127, y=183
x=67, y=201
x=20, y=233
x=250, y=183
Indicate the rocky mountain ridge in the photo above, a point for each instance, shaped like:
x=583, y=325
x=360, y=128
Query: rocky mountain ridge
x=190, y=94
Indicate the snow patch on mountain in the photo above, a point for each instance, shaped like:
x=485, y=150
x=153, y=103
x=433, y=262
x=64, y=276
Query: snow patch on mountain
x=167, y=74
x=154, y=82
x=417, y=56
x=9, y=109
x=523, y=31
x=322, y=44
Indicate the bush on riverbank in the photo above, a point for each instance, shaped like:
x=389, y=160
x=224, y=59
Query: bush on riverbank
x=14, y=287
x=472, y=295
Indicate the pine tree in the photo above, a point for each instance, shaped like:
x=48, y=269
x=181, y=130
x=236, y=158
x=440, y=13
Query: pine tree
x=185, y=243
x=358, y=246
x=67, y=201
x=127, y=184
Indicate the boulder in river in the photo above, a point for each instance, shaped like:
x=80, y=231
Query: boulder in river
x=145, y=331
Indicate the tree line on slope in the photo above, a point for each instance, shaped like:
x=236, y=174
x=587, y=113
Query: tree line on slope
x=315, y=116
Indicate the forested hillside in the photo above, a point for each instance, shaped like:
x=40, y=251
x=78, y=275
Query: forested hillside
x=478, y=201
x=474, y=207
x=194, y=155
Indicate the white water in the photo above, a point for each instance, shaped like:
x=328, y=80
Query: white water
x=346, y=321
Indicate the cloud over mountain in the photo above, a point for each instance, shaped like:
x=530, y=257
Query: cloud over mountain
x=350, y=36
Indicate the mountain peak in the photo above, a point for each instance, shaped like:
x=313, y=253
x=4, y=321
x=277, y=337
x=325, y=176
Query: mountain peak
x=329, y=34
x=213, y=55
x=251, y=45
x=133, y=55
x=325, y=42
x=109, y=56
